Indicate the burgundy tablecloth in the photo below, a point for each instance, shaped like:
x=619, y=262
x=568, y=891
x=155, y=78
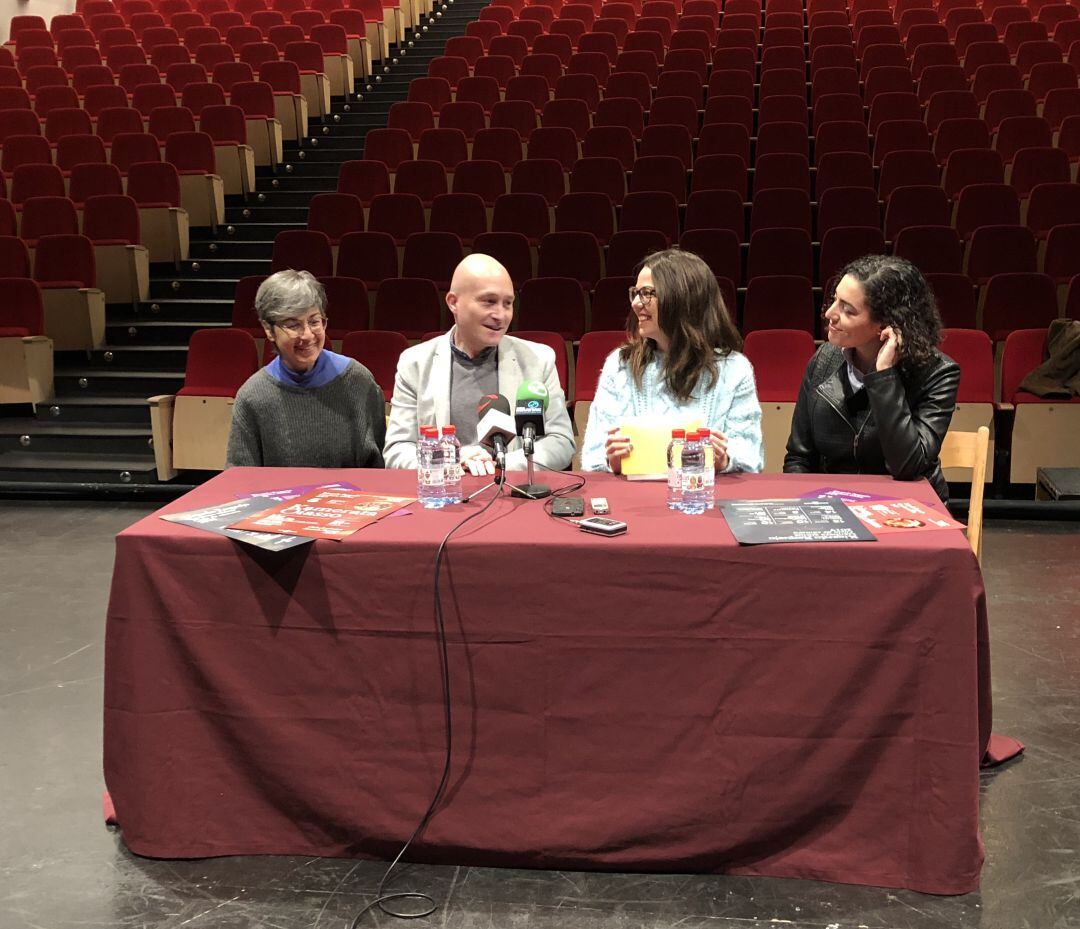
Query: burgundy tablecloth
x=665, y=700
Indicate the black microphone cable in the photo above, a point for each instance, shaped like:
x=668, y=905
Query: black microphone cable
x=381, y=897
x=566, y=490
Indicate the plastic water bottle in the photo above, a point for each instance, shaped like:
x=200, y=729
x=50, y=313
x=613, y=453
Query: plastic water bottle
x=674, y=468
x=430, y=478
x=451, y=449
x=693, y=476
x=710, y=468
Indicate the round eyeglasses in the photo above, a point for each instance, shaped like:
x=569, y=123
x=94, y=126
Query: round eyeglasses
x=297, y=326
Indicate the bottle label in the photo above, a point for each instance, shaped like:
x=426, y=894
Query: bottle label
x=693, y=482
x=453, y=473
x=674, y=478
x=431, y=477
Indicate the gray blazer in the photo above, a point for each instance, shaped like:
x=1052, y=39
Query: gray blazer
x=422, y=395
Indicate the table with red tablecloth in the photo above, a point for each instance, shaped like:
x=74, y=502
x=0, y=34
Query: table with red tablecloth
x=663, y=700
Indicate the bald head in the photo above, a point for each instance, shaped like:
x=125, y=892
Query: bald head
x=481, y=298
x=477, y=271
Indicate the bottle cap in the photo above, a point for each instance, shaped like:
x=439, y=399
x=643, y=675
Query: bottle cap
x=429, y=431
x=693, y=437
x=704, y=433
x=678, y=433
x=449, y=430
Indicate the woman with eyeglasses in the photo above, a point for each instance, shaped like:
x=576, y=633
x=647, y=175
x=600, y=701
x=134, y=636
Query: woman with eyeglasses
x=680, y=361
x=309, y=407
x=878, y=396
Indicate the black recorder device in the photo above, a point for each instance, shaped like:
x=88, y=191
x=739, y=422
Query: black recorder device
x=568, y=506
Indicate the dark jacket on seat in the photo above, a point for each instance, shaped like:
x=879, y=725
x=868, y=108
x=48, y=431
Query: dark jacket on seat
x=894, y=425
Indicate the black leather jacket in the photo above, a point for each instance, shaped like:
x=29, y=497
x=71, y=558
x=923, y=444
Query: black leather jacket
x=894, y=426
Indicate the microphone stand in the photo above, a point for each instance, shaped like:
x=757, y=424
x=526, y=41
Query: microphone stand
x=530, y=489
x=497, y=481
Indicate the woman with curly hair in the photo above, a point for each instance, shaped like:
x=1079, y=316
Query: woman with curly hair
x=680, y=361
x=878, y=396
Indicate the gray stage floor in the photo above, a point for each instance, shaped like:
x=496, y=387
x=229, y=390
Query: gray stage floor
x=61, y=868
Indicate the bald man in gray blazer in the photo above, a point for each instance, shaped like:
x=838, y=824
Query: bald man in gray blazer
x=441, y=381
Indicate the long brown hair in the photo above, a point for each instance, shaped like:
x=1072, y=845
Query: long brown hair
x=691, y=313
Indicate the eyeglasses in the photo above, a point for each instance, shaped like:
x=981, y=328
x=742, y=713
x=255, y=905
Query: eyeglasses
x=645, y=294
x=297, y=326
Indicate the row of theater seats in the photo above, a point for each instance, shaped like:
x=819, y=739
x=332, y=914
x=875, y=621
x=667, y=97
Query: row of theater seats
x=598, y=203
x=1014, y=23
x=65, y=269
x=338, y=27
x=106, y=110
x=1040, y=76
x=747, y=14
x=219, y=361
x=103, y=253
x=148, y=213
x=1001, y=290
x=217, y=147
x=386, y=21
x=478, y=103
x=567, y=285
x=303, y=68
x=108, y=70
x=364, y=198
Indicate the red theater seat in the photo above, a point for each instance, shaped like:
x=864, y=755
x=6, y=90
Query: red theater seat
x=368, y=256
x=378, y=351
x=779, y=302
x=408, y=305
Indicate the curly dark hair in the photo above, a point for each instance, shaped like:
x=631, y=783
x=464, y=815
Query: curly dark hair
x=898, y=295
x=693, y=317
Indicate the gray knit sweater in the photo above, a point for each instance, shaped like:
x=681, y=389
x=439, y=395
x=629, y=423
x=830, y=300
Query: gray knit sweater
x=339, y=425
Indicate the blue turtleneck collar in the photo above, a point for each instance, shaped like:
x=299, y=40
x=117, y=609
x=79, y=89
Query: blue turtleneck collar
x=328, y=366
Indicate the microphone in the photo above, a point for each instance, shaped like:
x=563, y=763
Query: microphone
x=495, y=426
x=529, y=406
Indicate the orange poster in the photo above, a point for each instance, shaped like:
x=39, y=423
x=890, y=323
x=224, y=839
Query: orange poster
x=884, y=516
x=327, y=513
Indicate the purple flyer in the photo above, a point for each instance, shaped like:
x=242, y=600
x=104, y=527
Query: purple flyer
x=852, y=496
x=291, y=493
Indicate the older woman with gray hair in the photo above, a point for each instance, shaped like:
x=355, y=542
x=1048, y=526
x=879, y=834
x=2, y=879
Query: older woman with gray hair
x=309, y=407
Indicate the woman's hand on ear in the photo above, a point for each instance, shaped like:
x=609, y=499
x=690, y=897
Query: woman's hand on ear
x=889, y=353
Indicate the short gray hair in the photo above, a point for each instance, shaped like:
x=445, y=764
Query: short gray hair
x=288, y=294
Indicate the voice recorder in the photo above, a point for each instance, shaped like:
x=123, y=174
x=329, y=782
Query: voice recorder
x=601, y=525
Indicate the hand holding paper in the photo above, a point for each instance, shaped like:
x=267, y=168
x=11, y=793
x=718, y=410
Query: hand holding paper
x=720, y=456
x=617, y=447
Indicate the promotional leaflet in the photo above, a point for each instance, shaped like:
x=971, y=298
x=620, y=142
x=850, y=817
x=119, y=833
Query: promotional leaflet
x=763, y=522
x=217, y=519
x=883, y=517
x=326, y=513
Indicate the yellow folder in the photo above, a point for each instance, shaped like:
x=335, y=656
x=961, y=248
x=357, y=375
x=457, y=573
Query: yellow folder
x=649, y=439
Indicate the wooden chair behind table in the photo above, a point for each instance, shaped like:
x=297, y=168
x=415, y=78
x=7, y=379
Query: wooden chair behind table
x=968, y=450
